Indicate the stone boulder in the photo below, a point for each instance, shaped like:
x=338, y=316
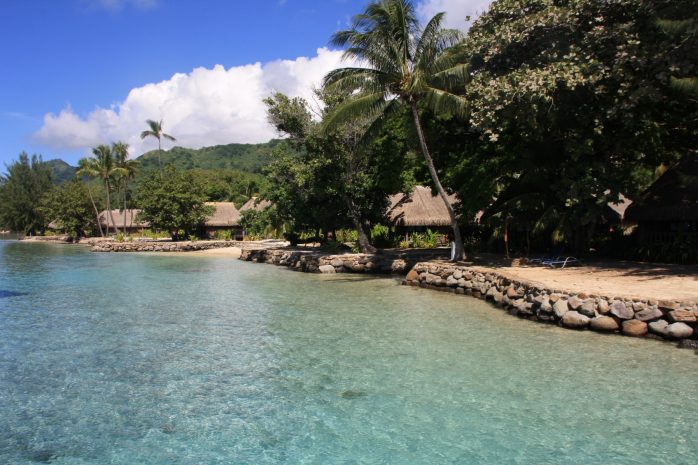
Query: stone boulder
x=682, y=316
x=679, y=331
x=649, y=314
x=560, y=308
x=575, y=303
x=604, y=323
x=602, y=306
x=635, y=328
x=327, y=269
x=575, y=320
x=659, y=327
x=588, y=308
x=412, y=275
x=620, y=310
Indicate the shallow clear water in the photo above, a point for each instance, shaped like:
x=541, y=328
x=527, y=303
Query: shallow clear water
x=146, y=359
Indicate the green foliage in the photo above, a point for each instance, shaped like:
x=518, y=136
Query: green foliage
x=426, y=240
x=381, y=237
x=261, y=224
x=173, y=202
x=61, y=172
x=21, y=190
x=224, y=235
x=70, y=208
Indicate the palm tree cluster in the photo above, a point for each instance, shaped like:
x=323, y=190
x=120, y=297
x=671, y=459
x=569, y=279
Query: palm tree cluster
x=112, y=166
x=399, y=63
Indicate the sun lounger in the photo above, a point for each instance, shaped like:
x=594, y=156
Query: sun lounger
x=561, y=262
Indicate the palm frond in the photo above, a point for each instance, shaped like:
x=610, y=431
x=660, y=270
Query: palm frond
x=367, y=106
x=442, y=101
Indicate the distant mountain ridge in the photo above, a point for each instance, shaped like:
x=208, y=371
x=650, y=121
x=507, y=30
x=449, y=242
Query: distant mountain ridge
x=243, y=157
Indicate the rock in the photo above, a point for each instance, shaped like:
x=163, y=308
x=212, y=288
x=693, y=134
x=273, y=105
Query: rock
x=649, y=314
x=511, y=292
x=688, y=344
x=462, y=282
x=588, y=308
x=490, y=292
x=468, y=284
x=545, y=307
x=574, y=303
x=430, y=278
x=667, y=305
x=336, y=262
x=679, y=331
x=582, y=296
x=602, y=306
x=327, y=269
x=604, y=323
x=680, y=316
x=451, y=281
x=638, y=307
x=412, y=275
x=539, y=299
x=635, y=328
x=560, y=308
x=498, y=297
x=458, y=274
x=620, y=310
x=575, y=320
x=554, y=298
x=659, y=327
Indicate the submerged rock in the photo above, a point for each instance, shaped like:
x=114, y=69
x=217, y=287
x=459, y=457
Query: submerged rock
x=349, y=394
x=327, y=269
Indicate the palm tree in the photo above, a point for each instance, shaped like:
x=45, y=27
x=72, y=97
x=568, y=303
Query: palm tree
x=129, y=169
x=84, y=169
x=102, y=166
x=399, y=64
x=156, y=132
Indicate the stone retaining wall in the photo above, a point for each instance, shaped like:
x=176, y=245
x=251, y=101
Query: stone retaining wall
x=666, y=319
x=161, y=246
x=318, y=262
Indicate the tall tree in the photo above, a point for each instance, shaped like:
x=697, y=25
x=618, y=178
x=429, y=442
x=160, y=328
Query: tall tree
x=156, y=132
x=102, y=166
x=400, y=64
x=21, y=190
x=128, y=171
x=69, y=206
x=85, y=170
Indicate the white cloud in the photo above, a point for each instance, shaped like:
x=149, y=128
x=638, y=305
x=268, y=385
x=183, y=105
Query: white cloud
x=456, y=11
x=202, y=108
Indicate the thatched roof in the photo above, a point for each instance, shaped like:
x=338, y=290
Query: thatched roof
x=672, y=197
x=255, y=203
x=419, y=208
x=225, y=214
x=118, y=215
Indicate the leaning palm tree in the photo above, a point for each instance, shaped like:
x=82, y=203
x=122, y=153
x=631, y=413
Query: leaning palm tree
x=129, y=169
x=399, y=63
x=85, y=169
x=156, y=132
x=102, y=166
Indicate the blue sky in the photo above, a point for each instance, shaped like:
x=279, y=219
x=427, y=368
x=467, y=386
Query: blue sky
x=82, y=72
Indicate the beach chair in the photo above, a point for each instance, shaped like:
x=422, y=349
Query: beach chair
x=561, y=261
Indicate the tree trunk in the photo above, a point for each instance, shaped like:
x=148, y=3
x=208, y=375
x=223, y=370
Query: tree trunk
x=159, y=160
x=109, y=213
x=125, y=185
x=460, y=251
x=94, y=205
x=506, y=235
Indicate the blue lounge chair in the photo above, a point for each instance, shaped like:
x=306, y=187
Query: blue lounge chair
x=560, y=261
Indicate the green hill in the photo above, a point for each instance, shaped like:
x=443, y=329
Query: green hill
x=61, y=171
x=243, y=157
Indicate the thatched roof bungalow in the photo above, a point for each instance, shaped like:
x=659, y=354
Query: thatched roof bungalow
x=419, y=210
x=668, y=209
x=225, y=217
x=129, y=216
x=255, y=203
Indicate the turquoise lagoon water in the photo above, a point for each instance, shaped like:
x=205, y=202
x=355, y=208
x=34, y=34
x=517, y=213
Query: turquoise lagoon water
x=136, y=359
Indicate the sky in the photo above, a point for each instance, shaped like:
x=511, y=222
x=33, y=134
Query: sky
x=78, y=73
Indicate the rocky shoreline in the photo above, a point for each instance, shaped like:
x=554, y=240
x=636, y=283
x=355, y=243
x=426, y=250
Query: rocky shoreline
x=666, y=319
x=320, y=262
x=161, y=246
x=660, y=319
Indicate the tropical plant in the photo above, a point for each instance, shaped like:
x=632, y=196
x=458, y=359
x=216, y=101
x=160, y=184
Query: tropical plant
x=175, y=203
x=69, y=206
x=102, y=166
x=156, y=132
x=399, y=63
x=127, y=173
x=84, y=169
x=21, y=190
